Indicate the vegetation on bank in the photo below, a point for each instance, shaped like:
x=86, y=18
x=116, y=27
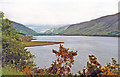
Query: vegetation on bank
x=16, y=60
x=28, y=43
x=11, y=70
x=13, y=49
x=40, y=43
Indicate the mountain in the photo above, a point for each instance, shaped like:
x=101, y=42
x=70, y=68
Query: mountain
x=106, y=25
x=42, y=27
x=23, y=29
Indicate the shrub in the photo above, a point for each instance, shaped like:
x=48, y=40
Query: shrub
x=65, y=60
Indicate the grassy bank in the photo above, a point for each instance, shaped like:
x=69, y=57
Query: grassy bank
x=40, y=43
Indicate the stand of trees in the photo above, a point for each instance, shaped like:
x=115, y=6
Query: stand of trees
x=13, y=49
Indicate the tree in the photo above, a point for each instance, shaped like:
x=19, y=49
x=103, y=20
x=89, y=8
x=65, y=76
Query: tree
x=13, y=48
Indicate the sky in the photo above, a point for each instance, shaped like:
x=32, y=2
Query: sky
x=54, y=12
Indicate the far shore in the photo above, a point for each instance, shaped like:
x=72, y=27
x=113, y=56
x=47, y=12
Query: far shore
x=78, y=35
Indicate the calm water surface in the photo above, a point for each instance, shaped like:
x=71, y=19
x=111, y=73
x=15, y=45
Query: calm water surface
x=104, y=48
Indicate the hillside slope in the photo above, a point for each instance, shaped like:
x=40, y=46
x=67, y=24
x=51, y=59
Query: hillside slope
x=23, y=29
x=57, y=30
x=106, y=25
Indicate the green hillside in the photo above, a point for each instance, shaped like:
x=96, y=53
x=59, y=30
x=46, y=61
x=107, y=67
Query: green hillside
x=23, y=29
x=106, y=25
x=56, y=30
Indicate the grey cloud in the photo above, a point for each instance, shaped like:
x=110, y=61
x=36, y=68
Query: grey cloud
x=56, y=11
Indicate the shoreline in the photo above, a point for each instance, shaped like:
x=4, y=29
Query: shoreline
x=43, y=43
x=40, y=43
x=81, y=35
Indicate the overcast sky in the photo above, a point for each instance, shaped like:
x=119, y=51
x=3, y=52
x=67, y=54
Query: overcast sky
x=38, y=12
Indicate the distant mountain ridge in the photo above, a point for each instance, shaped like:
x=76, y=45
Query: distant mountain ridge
x=23, y=29
x=106, y=25
x=41, y=28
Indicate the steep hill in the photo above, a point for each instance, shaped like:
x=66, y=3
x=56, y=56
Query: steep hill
x=23, y=29
x=106, y=25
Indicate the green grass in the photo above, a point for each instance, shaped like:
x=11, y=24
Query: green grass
x=8, y=70
x=37, y=43
x=0, y=70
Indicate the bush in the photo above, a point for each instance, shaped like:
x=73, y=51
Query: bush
x=13, y=48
